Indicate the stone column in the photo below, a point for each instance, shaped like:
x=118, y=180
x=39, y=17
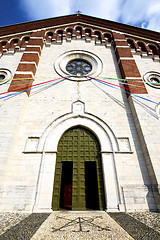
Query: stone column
x=110, y=182
x=44, y=192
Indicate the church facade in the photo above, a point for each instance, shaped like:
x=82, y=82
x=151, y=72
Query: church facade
x=79, y=105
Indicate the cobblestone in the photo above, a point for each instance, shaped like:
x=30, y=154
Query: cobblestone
x=8, y=220
x=24, y=229
x=80, y=225
x=151, y=219
x=135, y=228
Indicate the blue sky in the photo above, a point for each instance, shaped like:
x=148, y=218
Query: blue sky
x=140, y=13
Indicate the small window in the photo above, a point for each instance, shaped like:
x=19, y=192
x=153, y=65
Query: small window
x=3, y=44
x=152, y=79
x=2, y=76
x=26, y=39
x=15, y=42
x=5, y=75
x=50, y=35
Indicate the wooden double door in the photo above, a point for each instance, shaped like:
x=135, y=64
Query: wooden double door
x=78, y=182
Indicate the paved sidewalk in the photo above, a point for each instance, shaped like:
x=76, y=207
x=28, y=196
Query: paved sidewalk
x=79, y=225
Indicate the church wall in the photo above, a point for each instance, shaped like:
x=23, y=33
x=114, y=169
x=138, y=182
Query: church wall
x=147, y=121
x=9, y=112
x=148, y=117
x=33, y=115
x=10, y=62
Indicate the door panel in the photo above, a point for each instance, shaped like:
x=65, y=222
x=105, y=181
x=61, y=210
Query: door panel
x=67, y=197
x=91, y=186
x=78, y=145
x=66, y=185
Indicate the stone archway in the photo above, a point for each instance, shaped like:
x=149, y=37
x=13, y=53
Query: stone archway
x=48, y=145
x=78, y=182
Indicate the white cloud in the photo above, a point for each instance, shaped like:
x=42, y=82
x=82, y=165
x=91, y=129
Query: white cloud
x=142, y=13
x=39, y=9
x=154, y=23
x=101, y=8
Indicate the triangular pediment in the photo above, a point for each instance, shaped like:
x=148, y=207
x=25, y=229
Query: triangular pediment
x=70, y=20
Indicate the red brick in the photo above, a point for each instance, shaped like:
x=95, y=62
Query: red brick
x=120, y=43
x=118, y=35
x=30, y=57
x=33, y=49
x=135, y=86
x=129, y=68
x=38, y=33
x=20, y=83
x=123, y=52
x=38, y=42
x=27, y=67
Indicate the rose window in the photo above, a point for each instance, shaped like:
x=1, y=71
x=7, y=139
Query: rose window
x=78, y=67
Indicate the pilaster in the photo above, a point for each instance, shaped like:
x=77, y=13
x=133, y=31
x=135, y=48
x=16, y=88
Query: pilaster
x=24, y=76
x=127, y=65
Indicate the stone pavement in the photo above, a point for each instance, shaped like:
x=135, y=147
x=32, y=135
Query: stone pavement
x=79, y=225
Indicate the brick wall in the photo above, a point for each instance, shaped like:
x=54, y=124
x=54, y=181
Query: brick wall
x=24, y=76
x=127, y=65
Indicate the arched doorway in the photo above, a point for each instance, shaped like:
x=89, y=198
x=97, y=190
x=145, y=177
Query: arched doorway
x=78, y=182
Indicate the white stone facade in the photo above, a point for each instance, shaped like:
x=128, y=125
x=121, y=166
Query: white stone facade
x=128, y=130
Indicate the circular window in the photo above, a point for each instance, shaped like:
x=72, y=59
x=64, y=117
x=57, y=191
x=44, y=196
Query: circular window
x=2, y=76
x=152, y=79
x=5, y=75
x=76, y=65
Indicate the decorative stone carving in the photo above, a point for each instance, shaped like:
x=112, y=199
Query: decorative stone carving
x=124, y=145
x=31, y=144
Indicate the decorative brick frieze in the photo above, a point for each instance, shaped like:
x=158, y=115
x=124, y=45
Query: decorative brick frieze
x=1, y=48
x=52, y=22
x=158, y=44
x=27, y=67
x=148, y=50
x=24, y=42
x=6, y=47
x=104, y=41
x=49, y=38
x=83, y=33
x=74, y=33
x=128, y=66
x=137, y=47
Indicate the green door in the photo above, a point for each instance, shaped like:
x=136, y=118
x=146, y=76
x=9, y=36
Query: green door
x=78, y=172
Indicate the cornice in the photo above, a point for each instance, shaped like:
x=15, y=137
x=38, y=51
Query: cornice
x=79, y=18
